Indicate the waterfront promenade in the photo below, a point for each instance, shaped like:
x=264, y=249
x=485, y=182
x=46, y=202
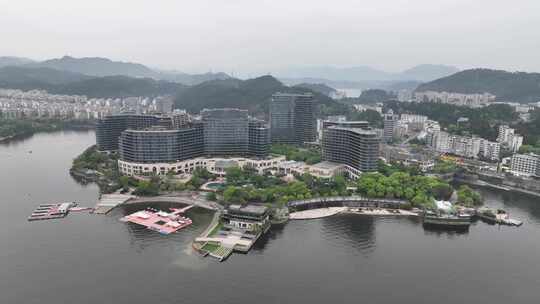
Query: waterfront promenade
x=316, y=213
x=345, y=201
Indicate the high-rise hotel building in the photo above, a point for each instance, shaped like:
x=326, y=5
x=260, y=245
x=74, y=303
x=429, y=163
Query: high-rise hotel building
x=390, y=123
x=292, y=118
x=356, y=147
x=144, y=139
x=109, y=128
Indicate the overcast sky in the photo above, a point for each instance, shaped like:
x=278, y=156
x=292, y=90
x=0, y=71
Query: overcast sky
x=255, y=36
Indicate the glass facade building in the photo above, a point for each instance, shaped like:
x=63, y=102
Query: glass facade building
x=258, y=138
x=154, y=139
x=225, y=131
x=109, y=128
x=158, y=145
x=358, y=148
x=292, y=118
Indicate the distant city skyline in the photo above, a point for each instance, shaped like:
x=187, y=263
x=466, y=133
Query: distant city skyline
x=250, y=38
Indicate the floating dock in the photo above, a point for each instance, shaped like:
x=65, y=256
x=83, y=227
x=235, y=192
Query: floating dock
x=51, y=211
x=497, y=216
x=160, y=221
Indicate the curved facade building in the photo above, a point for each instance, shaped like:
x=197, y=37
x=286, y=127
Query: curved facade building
x=357, y=124
x=354, y=147
x=157, y=145
x=109, y=128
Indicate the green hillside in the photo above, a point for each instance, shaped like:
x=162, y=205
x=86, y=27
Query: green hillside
x=251, y=94
x=507, y=86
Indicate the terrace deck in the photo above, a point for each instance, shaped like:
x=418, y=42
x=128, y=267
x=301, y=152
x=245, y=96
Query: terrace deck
x=160, y=221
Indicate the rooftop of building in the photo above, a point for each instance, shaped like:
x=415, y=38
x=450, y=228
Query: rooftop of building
x=248, y=209
x=327, y=165
x=355, y=130
x=347, y=122
x=292, y=164
x=223, y=110
x=528, y=155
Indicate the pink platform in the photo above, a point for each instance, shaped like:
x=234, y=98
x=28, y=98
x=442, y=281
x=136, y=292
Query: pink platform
x=160, y=221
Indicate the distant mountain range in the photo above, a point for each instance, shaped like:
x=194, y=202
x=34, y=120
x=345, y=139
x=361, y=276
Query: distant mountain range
x=65, y=82
x=100, y=67
x=13, y=61
x=101, y=77
x=252, y=94
x=507, y=86
x=95, y=66
x=388, y=85
x=421, y=73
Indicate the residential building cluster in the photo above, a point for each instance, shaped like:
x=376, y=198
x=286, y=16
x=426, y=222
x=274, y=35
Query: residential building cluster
x=364, y=107
x=509, y=139
x=400, y=126
x=465, y=146
x=424, y=160
x=40, y=104
x=459, y=99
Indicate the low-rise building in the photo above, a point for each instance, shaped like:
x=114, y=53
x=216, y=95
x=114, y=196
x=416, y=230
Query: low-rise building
x=251, y=218
x=215, y=165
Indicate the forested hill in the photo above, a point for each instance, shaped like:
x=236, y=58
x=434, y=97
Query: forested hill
x=252, y=94
x=507, y=86
x=64, y=82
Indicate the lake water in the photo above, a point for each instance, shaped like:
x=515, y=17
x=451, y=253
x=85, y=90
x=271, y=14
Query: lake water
x=87, y=258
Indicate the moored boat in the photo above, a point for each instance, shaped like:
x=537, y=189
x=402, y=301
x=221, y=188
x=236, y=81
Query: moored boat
x=446, y=215
x=447, y=220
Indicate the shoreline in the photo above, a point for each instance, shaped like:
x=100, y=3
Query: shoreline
x=8, y=138
x=380, y=212
x=497, y=187
x=331, y=211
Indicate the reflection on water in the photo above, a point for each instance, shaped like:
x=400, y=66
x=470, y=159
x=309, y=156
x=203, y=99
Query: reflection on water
x=449, y=232
x=350, y=230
